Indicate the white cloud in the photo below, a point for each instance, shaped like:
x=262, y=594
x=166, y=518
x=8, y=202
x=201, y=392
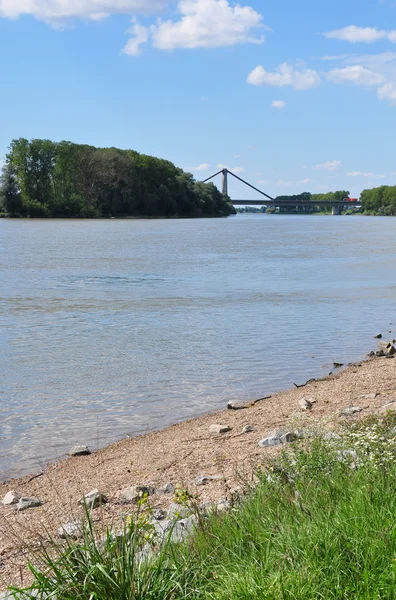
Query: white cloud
x=140, y=36
x=307, y=180
x=236, y=170
x=201, y=167
x=279, y=104
x=58, y=11
x=362, y=174
x=208, y=24
x=285, y=75
x=289, y=183
x=388, y=92
x=263, y=181
x=365, y=35
x=330, y=165
x=356, y=74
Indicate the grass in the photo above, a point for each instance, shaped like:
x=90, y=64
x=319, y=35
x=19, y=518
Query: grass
x=319, y=524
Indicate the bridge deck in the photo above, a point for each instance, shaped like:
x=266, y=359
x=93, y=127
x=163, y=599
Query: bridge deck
x=293, y=203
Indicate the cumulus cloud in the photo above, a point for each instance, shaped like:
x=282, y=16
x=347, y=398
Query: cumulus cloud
x=236, y=170
x=201, y=167
x=140, y=36
x=388, y=92
x=365, y=174
x=364, y=35
x=285, y=75
x=206, y=24
x=279, y=104
x=356, y=74
x=58, y=11
x=330, y=165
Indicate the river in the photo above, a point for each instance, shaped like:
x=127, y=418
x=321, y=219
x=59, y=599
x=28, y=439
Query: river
x=112, y=328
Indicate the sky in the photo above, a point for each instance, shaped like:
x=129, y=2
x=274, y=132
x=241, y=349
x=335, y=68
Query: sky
x=291, y=96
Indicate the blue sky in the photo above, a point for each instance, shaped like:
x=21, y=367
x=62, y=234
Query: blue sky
x=294, y=96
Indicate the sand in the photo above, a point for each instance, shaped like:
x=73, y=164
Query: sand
x=179, y=454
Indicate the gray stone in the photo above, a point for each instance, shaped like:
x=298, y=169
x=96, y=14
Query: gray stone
x=183, y=529
x=378, y=337
x=387, y=348
x=248, y=429
x=26, y=503
x=80, y=451
x=137, y=492
x=11, y=498
x=177, y=511
x=159, y=514
x=72, y=530
x=169, y=488
x=93, y=499
x=372, y=396
x=389, y=407
x=205, y=479
x=277, y=437
x=305, y=404
x=351, y=410
x=218, y=429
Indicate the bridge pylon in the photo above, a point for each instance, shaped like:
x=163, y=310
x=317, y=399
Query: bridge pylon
x=225, y=182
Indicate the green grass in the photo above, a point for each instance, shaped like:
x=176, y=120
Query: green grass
x=315, y=527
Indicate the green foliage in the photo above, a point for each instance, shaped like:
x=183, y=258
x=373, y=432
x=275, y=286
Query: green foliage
x=47, y=179
x=320, y=523
x=379, y=201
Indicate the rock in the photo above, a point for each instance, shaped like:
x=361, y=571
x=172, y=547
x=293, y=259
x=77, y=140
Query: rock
x=338, y=365
x=387, y=348
x=248, y=429
x=183, y=529
x=72, y=530
x=372, y=396
x=159, y=514
x=236, y=405
x=93, y=499
x=80, y=451
x=177, y=511
x=351, y=410
x=378, y=337
x=137, y=492
x=205, y=479
x=305, y=404
x=11, y=498
x=233, y=405
x=277, y=437
x=169, y=488
x=389, y=407
x=26, y=503
x=218, y=429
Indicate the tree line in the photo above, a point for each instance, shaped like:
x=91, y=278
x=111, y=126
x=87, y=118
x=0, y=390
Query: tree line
x=379, y=201
x=42, y=178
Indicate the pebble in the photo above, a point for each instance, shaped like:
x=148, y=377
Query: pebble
x=11, y=498
x=137, y=492
x=248, y=429
x=169, y=488
x=205, y=479
x=72, y=530
x=159, y=514
x=372, y=396
x=305, y=404
x=351, y=410
x=217, y=429
x=93, y=499
x=25, y=503
x=80, y=451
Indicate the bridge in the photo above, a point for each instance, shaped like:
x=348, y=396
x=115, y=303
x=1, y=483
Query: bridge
x=336, y=206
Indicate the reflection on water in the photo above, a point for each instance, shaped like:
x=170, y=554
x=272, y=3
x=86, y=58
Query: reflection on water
x=114, y=327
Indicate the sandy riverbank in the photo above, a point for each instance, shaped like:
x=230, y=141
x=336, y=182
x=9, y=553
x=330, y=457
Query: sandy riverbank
x=179, y=454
